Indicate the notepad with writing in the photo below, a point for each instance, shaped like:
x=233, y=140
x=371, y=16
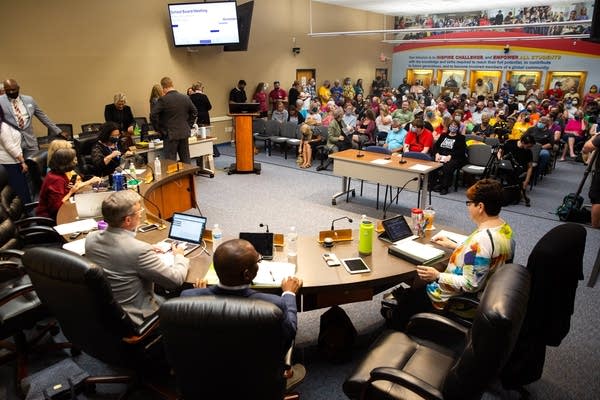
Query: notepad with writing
x=270, y=273
x=416, y=252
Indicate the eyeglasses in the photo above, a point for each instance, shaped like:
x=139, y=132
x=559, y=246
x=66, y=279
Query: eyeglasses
x=260, y=258
x=138, y=212
x=469, y=202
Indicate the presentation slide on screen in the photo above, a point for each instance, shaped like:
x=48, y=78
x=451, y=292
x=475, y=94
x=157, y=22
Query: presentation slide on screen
x=204, y=24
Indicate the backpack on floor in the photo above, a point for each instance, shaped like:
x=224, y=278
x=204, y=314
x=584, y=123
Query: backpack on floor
x=336, y=335
x=570, y=206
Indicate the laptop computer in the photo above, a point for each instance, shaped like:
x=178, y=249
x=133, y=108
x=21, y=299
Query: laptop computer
x=185, y=230
x=89, y=204
x=262, y=242
x=395, y=229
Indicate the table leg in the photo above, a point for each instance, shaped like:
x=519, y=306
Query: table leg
x=345, y=191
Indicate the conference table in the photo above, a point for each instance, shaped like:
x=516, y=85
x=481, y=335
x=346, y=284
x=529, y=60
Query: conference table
x=383, y=169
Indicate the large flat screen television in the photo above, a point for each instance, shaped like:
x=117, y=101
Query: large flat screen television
x=204, y=24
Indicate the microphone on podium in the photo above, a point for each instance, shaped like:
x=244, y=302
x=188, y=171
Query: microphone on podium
x=146, y=199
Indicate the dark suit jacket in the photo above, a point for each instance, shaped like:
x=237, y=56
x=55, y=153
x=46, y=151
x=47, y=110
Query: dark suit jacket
x=287, y=303
x=173, y=115
x=123, y=118
x=203, y=106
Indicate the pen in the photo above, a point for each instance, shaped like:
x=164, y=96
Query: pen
x=452, y=240
x=271, y=273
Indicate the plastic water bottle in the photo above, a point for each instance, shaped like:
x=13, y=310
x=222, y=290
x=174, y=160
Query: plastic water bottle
x=292, y=245
x=132, y=171
x=157, y=166
x=217, y=237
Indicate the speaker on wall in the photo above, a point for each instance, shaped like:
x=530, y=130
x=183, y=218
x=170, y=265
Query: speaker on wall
x=244, y=15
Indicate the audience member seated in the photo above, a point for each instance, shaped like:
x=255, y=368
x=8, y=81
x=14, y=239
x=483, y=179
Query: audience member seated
x=574, y=133
x=383, y=122
x=418, y=138
x=542, y=135
x=520, y=151
x=294, y=116
x=280, y=114
x=327, y=117
x=394, y=141
x=55, y=145
x=337, y=140
x=131, y=265
x=404, y=114
x=437, y=123
x=120, y=114
x=477, y=113
x=350, y=118
x=236, y=263
x=520, y=126
x=451, y=150
x=365, y=130
x=471, y=263
x=107, y=152
x=591, y=96
x=57, y=188
x=314, y=117
x=484, y=128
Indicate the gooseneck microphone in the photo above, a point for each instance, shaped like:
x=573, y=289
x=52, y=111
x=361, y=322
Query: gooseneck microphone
x=264, y=225
x=340, y=218
x=385, y=205
x=146, y=199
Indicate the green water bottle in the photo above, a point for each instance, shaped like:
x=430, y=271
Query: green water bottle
x=365, y=239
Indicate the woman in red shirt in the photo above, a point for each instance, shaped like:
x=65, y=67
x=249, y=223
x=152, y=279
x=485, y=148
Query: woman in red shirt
x=56, y=188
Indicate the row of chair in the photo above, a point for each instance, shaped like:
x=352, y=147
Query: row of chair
x=272, y=133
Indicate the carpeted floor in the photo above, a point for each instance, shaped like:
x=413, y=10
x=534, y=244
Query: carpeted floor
x=284, y=195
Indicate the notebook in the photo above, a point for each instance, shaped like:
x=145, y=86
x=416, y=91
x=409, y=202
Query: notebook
x=262, y=242
x=415, y=252
x=395, y=229
x=89, y=204
x=185, y=230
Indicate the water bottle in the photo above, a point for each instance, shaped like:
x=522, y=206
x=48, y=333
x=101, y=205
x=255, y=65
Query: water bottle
x=292, y=245
x=132, y=171
x=157, y=166
x=118, y=181
x=365, y=238
x=217, y=237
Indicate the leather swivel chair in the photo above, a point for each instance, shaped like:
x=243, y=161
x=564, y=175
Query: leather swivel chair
x=37, y=166
x=78, y=295
x=437, y=358
x=83, y=146
x=210, y=339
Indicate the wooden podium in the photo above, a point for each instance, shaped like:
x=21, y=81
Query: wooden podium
x=244, y=145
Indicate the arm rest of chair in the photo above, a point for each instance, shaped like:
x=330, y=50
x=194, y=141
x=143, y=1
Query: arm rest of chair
x=407, y=381
x=6, y=254
x=438, y=329
x=29, y=207
x=143, y=331
x=35, y=221
x=10, y=293
x=288, y=357
x=39, y=234
x=462, y=309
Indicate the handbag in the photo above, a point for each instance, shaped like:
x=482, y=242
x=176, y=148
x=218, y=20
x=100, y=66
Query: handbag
x=62, y=380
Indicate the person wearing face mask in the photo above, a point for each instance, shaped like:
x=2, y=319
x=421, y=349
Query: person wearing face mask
x=19, y=111
x=484, y=129
x=107, y=152
x=520, y=126
x=418, y=138
x=395, y=138
x=451, y=150
x=542, y=135
x=477, y=113
x=572, y=94
x=132, y=266
x=574, y=133
x=313, y=117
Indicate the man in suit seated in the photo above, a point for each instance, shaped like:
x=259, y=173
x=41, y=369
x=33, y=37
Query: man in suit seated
x=132, y=266
x=236, y=264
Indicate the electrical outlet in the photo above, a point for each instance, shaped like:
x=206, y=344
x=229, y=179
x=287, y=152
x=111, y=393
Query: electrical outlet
x=228, y=129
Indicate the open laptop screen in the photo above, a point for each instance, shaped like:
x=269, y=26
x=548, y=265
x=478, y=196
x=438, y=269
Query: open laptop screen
x=188, y=228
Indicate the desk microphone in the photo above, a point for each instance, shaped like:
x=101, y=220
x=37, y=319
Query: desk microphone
x=337, y=219
x=264, y=225
x=385, y=207
x=146, y=199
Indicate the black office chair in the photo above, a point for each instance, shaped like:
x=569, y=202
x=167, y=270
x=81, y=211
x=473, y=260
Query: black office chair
x=438, y=358
x=37, y=166
x=237, y=330
x=78, y=295
x=83, y=148
x=67, y=128
x=91, y=127
x=556, y=266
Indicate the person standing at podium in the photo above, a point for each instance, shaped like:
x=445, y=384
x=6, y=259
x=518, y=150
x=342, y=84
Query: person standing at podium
x=238, y=93
x=173, y=116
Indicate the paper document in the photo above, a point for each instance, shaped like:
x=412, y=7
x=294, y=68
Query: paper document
x=83, y=225
x=271, y=273
x=455, y=237
x=76, y=246
x=415, y=252
x=381, y=161
x=419, y=167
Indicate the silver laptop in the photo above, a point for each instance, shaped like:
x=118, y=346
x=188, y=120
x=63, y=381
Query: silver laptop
x=89, y=204
x=185, y=230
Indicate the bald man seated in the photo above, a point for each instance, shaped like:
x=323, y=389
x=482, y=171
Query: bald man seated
x=236, y=264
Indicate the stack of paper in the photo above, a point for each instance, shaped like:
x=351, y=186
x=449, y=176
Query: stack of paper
x=416, y=252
